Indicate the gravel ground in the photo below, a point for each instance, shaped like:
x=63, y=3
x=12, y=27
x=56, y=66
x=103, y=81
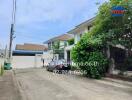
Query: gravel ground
x=38, y=84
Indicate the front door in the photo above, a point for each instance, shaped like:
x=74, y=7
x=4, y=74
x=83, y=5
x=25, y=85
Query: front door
x=68, y=56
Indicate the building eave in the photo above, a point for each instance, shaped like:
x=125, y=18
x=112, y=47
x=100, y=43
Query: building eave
x=59, y=38
x=88, y=22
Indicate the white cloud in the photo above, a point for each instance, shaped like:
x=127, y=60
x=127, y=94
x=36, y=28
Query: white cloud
x=32, y=13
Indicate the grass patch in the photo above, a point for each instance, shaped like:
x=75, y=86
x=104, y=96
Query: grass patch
x=1, y=70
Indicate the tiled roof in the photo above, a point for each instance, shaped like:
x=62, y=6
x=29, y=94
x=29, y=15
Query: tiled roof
x=63, y=37
x=32, y=47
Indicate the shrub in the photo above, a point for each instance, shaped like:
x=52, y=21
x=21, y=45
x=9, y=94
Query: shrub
x=97, y=70
x=73, y=68
x=96, y=65
x=89, y=50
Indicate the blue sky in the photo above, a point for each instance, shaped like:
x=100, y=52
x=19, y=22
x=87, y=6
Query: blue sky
x=40, y=20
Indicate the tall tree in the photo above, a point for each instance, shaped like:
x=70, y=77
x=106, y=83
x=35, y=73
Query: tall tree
x=106, y=28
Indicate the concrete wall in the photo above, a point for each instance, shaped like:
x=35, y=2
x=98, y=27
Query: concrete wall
x=26, y=62
x=32, y=61
x=1, y=61
x=38, y=62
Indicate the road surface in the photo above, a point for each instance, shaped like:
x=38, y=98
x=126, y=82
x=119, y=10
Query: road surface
x=38, y=84
x=8, y=87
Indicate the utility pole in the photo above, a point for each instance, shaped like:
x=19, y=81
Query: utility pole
x=11, y=39
x=12, y=28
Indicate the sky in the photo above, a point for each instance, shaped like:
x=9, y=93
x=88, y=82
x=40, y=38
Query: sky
x=40, y=20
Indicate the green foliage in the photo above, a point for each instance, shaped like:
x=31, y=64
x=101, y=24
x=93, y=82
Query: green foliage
x=73, y=68
x=106, y=28
x=117, y=30
x=58, y=51
x=56, y=45
x=88, y=52
x=1, y=70
x=98, y=69
x=71, y=41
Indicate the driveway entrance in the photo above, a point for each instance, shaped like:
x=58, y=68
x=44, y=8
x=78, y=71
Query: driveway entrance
x=38, y=84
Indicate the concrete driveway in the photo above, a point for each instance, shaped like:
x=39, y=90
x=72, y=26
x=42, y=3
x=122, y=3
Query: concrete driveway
x=38, y=84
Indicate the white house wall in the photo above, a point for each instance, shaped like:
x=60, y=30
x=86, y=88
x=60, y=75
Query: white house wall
x=24, y=62
x=62, y=43
x=68, y=48
x=1, y=61
x=77, y=34
x=77, y=38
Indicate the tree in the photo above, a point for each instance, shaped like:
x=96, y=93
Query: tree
x=106, y=28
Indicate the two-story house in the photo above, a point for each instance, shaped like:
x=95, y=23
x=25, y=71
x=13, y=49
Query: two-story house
x=116, y=53
x=78, y=32
x=57, y=44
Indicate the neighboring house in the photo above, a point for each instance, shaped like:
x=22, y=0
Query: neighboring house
x=78, y=31
x=31, y=47
x=57, y=44
x=28, y=55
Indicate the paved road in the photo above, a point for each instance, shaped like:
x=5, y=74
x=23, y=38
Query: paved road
x=38, y=84
x=8, y=87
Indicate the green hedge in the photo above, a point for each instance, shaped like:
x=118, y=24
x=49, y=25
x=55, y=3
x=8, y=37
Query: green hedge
x=89, y=53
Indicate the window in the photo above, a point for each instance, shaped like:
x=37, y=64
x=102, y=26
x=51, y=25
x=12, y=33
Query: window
x=89, y=28
x=80, y=35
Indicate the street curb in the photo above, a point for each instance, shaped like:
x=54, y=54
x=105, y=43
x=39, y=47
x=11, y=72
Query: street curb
x=118, y=81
